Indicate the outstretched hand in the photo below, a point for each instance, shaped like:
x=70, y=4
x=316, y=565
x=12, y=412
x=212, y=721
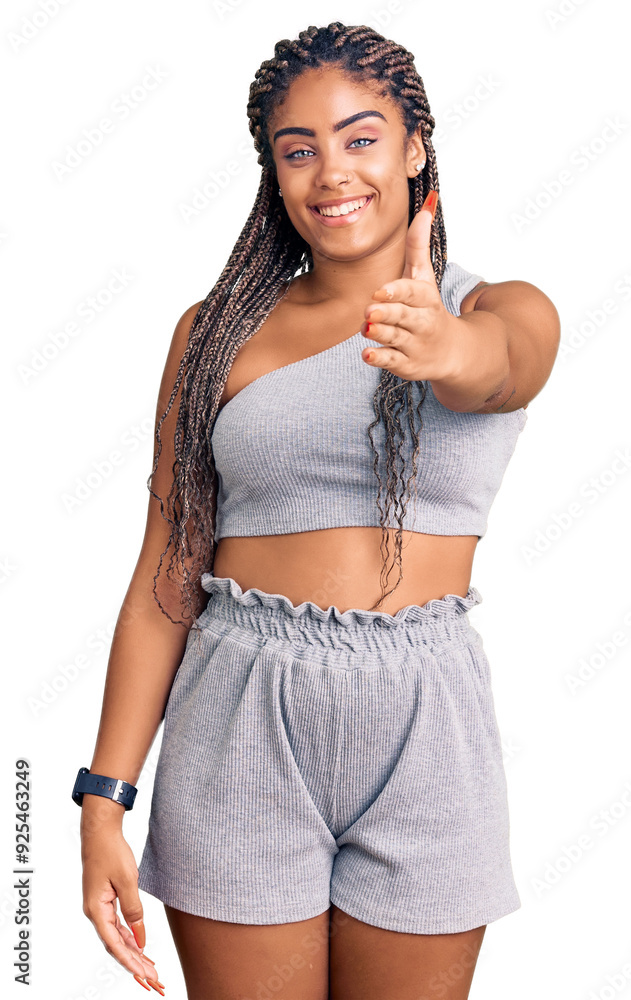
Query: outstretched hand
x=419, y=334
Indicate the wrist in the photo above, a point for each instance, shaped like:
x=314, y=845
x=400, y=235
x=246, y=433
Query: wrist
x=93, y=784
x=479, y=364
x=98, y=813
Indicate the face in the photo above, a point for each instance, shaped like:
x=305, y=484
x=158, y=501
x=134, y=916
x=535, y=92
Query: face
x=365, y=160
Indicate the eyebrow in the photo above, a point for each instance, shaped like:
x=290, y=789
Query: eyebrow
x=298, y=130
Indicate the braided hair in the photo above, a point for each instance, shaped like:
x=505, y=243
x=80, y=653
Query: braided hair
x=266, y=257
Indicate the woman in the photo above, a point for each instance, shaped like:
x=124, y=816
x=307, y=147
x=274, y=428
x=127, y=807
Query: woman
x=329, y=813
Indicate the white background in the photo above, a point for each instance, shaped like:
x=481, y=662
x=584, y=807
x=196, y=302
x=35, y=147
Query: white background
x=555, y=597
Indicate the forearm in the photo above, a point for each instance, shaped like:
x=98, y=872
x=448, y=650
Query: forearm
x=146, y=651
x=483, y=368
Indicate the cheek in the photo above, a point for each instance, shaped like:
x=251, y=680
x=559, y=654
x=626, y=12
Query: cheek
x=300, y=223
x=389, y=180
x=394, y=196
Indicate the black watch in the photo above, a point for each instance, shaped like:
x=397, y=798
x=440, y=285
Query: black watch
x=98, y=784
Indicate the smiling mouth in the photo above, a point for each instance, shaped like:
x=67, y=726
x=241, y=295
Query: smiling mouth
x=348, y=208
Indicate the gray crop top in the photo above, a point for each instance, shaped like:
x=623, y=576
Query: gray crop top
x=292, y=451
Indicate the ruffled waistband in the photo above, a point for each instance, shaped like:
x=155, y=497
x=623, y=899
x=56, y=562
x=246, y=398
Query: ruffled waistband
x=274, y=617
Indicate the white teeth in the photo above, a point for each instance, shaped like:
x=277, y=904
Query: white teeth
x=349, y=206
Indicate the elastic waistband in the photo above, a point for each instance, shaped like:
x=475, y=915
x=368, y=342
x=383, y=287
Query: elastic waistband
x=264, y=617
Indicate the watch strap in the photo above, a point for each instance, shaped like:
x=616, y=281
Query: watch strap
x=99, y=784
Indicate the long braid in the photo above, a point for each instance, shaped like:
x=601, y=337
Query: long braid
x=266, y=257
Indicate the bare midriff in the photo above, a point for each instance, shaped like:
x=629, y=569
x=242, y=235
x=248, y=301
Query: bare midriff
x=342, y=566
x=333, y=566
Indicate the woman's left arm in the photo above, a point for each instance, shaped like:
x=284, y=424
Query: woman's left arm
x=511, y=333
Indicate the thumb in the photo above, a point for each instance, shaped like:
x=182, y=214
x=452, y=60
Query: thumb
x=132, y=911
x=418, y=260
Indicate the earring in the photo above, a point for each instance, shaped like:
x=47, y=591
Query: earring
x=280, y=192
x=419, y=166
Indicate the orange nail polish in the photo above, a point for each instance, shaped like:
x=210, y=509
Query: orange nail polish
x=139, y=934
x=143, y=984
x=153, y=984
x=431, y=201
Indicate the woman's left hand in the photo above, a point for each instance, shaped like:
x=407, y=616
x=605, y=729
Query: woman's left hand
x=422, y=339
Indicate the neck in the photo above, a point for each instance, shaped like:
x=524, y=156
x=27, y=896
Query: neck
x=354, y=280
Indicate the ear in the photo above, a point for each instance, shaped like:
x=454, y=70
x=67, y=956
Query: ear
x=415, y=154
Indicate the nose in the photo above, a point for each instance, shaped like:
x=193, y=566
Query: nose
x=332, y=172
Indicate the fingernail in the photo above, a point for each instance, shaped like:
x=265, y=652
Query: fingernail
x=368, y=326
x=142, y=983
x=140, y=933
x=153, y=983
x=369, y=356
x=431, y=201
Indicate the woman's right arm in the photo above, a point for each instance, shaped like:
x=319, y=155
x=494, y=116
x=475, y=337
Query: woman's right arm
x=147, y=649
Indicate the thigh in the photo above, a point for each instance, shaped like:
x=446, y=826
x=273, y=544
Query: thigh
x=222, y=960
x=368, y=963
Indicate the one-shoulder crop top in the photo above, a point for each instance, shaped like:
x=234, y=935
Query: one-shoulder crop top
x=292, y=451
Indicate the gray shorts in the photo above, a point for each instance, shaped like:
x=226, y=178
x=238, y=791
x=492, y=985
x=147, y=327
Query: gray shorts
x=312, y=757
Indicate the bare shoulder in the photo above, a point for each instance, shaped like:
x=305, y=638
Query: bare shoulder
x=157, y=529
x=183, y=326
x=179, y=340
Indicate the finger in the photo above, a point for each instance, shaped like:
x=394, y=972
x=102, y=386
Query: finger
x=105, y=926
x=150, y=972
x=391, y=335
x=138, y=929
x=387, y=357
x=398, y=314
x=134, y=936
x=399, y=341
x=153, y=984
x=131, y=942
x=410, y=291
x=131, y=907
x=418, y=261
